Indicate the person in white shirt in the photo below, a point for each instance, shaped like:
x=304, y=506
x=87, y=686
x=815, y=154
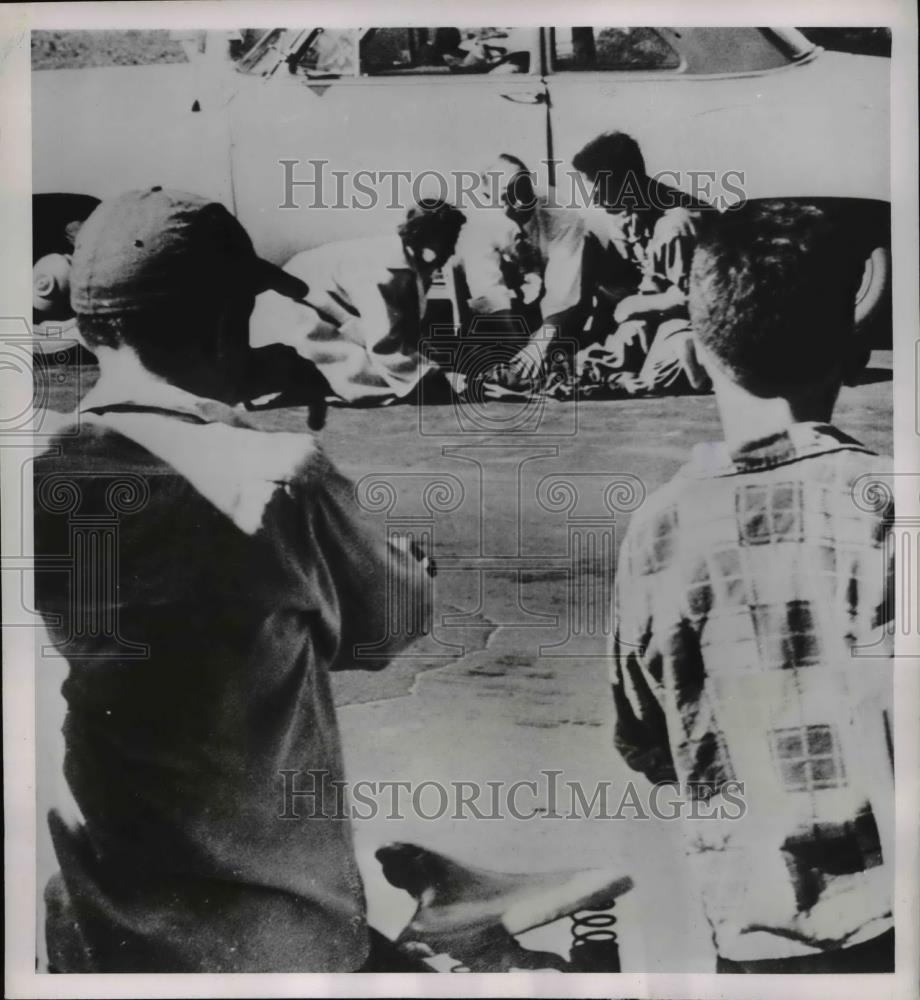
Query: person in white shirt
x=361, y=323
x=522, y=262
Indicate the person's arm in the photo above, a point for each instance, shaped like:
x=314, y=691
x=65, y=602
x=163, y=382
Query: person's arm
x=640, y=727
x=665, y=281
x=607, y=227
x=662, y=305
x=376, y=587
x=387, y=328
x=562, y=283
x=562, y=276
x=315, y=268
x=368, y=320
x=479, y=251
x=869, y=683
x=278, y=370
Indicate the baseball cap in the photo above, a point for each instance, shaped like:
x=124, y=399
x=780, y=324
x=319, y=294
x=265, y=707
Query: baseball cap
x=153, y=247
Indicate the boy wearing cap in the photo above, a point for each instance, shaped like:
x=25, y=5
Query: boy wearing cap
x=362, y=322
x=199, y=654
x=754, y=597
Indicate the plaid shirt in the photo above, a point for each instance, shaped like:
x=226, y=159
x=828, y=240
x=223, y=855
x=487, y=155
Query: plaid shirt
x=753, y=593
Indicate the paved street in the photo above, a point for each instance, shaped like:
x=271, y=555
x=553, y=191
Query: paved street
x=513, y=680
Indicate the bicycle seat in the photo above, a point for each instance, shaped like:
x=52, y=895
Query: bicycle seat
x=460, y=906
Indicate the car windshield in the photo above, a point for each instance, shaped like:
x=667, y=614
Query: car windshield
x=314, y=52
x=329, y=52
x=267, y=52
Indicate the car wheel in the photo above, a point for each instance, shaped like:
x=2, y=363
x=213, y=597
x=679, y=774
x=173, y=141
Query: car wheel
x=873, y=299
x=54, y=330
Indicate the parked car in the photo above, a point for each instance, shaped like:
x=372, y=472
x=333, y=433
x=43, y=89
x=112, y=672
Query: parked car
x=752, y=111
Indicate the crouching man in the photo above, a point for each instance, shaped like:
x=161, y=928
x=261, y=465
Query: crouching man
x=649, y=350
x=362, y=321
x=199, y=653
x=522, y=269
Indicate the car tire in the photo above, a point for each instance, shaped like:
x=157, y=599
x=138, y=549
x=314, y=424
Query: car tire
x=51, y=214
x=873, y=299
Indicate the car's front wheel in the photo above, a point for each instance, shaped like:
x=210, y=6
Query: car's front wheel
x=874, y=294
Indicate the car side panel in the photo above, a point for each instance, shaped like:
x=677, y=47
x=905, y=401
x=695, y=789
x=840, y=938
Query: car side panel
x=411, y=124
x=819, y=128
x=112, y=129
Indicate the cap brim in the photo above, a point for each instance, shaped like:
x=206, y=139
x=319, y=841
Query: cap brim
x=269, y=277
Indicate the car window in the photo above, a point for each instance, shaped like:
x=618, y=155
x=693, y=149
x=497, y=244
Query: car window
x=263, y=57
x=311, y=53
x=408, y=51
x=587, y=49
x=330, y=52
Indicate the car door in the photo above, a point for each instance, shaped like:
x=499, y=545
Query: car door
x=731, y=113
x=104, y=130
x=629, y=79
x=725, y=111
x=335, y=131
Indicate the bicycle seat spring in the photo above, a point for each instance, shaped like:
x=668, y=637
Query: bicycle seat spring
x=594, y=942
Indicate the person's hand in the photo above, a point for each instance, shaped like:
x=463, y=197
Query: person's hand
x=617, y=348
x=696, y=373
x=528, y=362
x=531, y=287
x=628, y=333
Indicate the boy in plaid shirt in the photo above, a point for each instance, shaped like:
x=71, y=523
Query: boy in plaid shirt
x=754, y=594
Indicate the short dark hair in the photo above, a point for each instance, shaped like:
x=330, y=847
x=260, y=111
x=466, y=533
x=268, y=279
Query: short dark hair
x=772, y=295
x=163, y=336
x=521, y=193
x=138, y=329
x=104, y=331
x=613, y=153
x=614, y=162
x=431, y=221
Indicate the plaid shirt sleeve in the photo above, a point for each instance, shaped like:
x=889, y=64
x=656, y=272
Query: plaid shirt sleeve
x=640, y=730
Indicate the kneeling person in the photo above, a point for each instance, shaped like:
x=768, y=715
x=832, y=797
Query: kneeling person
x=650, y=348
x=361, y=322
